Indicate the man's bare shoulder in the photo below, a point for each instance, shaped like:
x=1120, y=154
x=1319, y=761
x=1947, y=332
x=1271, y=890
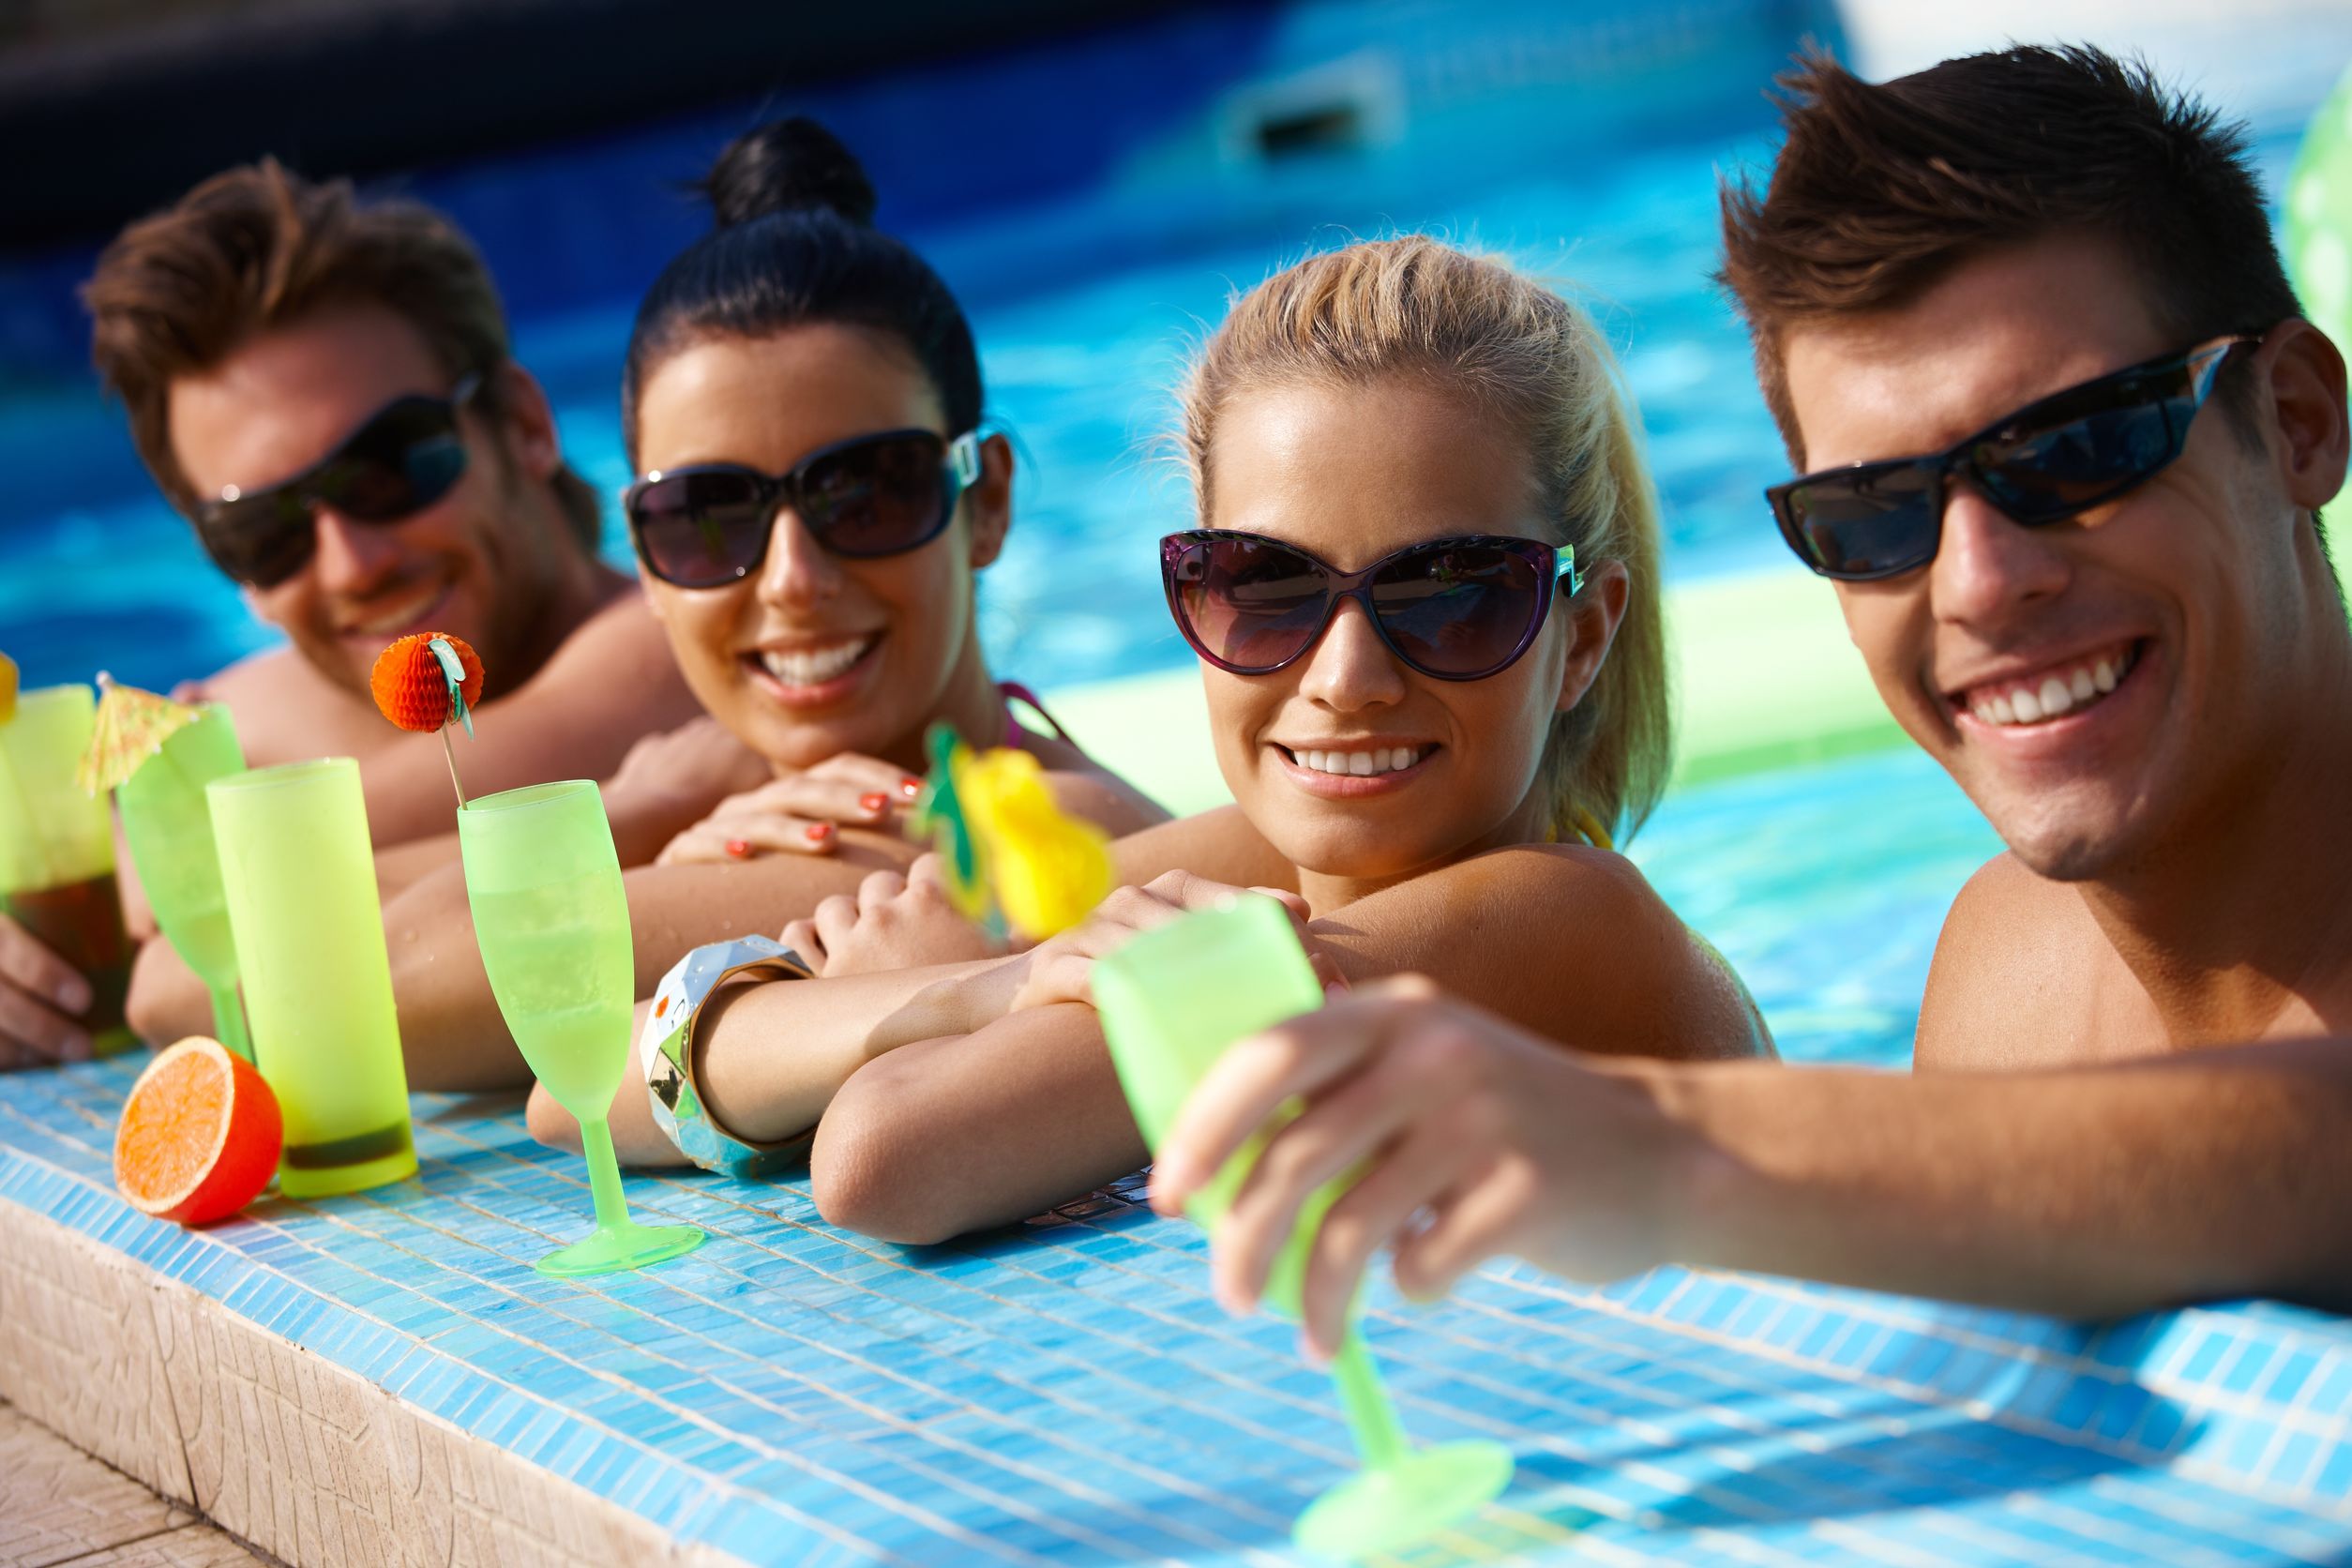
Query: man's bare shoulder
x=619, y=656
x=2017, y=966
x=285, y=710
x=622, y=628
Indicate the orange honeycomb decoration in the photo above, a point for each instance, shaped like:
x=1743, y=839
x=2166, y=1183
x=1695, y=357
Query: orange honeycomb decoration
x=410, y=688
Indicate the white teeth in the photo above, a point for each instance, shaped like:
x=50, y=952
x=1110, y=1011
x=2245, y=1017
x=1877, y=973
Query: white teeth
x=1359, y=764
x=399, y=615
x=807, y=667
x=2057, y=693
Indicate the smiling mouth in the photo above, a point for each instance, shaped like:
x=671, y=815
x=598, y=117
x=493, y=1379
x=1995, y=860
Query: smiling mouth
x=400, y=615
x=2044, y=695
x=1366, y=763
x=797, y=668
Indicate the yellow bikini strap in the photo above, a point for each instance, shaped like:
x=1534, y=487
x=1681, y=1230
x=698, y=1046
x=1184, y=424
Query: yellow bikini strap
x=1587, y=827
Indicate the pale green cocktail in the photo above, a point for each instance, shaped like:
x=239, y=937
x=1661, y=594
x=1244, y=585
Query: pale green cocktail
x=1172, y=1001
x=299, y=878
x=168, y=826
x=553, y=922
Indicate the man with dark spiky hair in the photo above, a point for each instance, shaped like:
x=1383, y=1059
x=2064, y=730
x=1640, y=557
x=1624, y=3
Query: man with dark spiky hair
x=1988, y=303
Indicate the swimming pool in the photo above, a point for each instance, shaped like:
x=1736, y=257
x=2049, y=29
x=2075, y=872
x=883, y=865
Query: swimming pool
x=94, y=570
x=1616, y=196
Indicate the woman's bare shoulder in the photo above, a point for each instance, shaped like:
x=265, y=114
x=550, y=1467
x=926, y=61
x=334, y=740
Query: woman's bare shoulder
x=1568, y=939
x=1087, y=790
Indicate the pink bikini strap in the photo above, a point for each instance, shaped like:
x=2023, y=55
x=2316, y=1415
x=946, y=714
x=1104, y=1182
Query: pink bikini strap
x=1017, y=734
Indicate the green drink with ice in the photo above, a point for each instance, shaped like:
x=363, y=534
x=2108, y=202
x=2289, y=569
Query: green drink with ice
x=551, y=918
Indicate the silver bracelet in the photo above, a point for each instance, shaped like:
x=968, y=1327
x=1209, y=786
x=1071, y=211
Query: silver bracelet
x=668, y=1046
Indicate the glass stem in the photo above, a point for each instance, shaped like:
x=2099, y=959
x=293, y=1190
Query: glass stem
x=227, y=1020
x=604, y=1176
x=1380, y=1438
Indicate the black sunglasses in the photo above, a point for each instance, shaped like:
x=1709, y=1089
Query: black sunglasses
x=2052, y=460
x=873, y=495
x=1459, y=610
x=403, y=458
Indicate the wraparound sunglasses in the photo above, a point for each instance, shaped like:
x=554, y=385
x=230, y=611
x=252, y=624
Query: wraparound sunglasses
x=1459, y=609
x=709, y=524
x=402, y=458
x=2052, y=460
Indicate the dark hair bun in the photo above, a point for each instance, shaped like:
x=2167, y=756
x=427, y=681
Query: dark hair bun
x=788, y=166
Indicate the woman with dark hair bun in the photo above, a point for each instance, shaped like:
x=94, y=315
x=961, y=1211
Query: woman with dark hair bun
x=801, y=402
x=815, y=496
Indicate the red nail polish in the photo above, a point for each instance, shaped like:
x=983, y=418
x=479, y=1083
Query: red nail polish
x=739, y=848
x=909, y=787
x=874, y=802
x=819, y=832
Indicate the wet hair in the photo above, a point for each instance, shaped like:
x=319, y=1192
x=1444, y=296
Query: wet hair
x=259, y=248
x=1880, y=192
x=1472, y=327
x=795, y=246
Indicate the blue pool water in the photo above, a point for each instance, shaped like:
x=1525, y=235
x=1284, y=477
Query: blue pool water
x=1086, y=300
x=1825, y=887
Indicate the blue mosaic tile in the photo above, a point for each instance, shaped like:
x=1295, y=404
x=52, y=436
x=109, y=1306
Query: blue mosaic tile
x=1068, y=1391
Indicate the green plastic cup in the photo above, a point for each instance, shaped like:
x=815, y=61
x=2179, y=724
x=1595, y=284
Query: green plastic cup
x=168, y=824
x=1172, y=1001
x=299, y=877
x=57, y=852
x=553, y=921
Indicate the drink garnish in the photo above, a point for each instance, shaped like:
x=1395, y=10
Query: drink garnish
x=199, y=1136
x=426, y=681
x=1012, y=856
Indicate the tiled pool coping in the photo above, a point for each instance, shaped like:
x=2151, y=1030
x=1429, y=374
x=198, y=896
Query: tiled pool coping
x=383, y=1378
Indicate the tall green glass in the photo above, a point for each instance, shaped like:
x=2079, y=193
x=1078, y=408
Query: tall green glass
x=298, y=875
x=1172, y=999
x=57, y=852
x=169, y=828
x=553, y=921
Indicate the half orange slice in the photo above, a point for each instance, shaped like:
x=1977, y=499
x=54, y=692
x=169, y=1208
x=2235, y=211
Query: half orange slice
x=200, y=1134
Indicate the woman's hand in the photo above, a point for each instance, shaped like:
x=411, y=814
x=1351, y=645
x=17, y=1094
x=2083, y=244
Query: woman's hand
x=895, y=922
x=1472, y=1139
x=798, y=813
x=669, y=781
x=1062, y=967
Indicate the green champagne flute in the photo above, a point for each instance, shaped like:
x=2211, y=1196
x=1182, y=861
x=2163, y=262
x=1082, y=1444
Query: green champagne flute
x=553, y=922
x=168, y=823
x=1172, y=999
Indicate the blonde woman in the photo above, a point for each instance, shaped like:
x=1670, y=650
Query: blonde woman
x=1425, y=592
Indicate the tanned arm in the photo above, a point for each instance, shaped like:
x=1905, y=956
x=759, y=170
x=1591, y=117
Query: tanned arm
x=836, y=1026
x=450, y=1028
x=952, y=1135
x=2087, y=1192
x=611, y=681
